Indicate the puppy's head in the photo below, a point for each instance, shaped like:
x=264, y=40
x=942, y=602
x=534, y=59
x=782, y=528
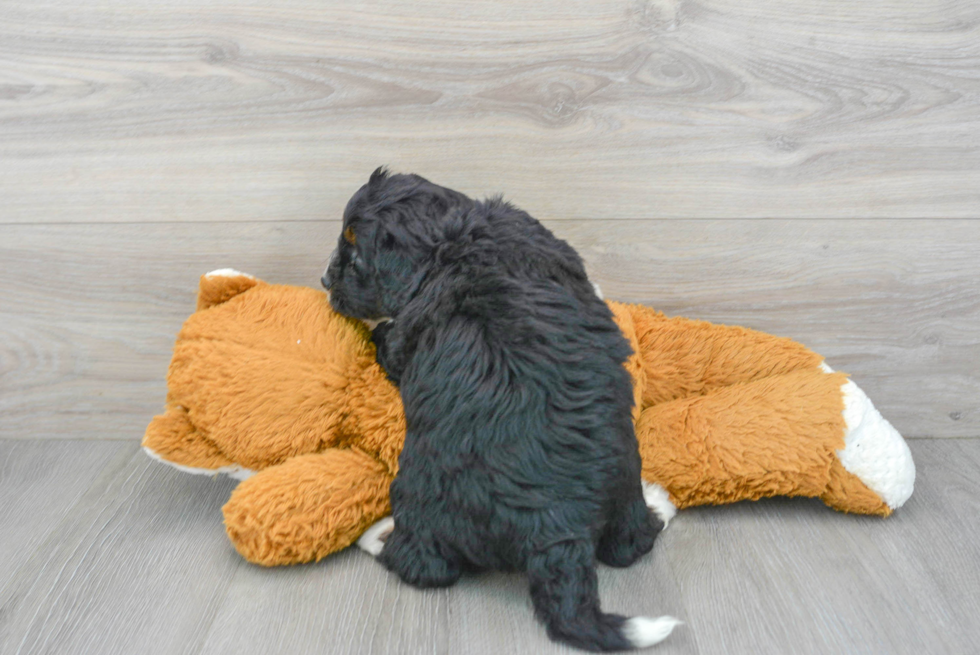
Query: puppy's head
x=392, y=226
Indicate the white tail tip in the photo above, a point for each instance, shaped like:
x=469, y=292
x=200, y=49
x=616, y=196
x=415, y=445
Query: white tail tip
x=643, y=632
x=873, y=450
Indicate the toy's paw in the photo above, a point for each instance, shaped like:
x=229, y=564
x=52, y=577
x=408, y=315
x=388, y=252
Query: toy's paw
x=658, y=500
x=172, y=439
x=233, y=471
x=374, y=539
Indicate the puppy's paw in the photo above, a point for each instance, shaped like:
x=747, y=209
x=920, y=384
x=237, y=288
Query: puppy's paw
x=598, y=291
x=373, y=540
x=658, y=500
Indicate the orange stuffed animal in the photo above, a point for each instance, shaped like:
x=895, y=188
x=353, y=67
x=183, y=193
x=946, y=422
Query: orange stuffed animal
x=269, y=385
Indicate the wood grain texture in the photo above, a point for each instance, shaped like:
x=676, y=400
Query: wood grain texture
x=361, y=608
x=345, y=604
x=40, y=486
x=133, y=111
x=787, y=576
x=142, y=565
x=144, y=143
x=894, y=303
x=88, y=313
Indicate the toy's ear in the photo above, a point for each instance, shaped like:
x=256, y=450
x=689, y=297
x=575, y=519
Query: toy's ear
x=222, y=285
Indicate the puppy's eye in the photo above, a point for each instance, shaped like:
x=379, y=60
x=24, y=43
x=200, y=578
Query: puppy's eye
x=349, y=235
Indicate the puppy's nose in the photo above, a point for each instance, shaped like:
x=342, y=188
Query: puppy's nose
x=325, y=281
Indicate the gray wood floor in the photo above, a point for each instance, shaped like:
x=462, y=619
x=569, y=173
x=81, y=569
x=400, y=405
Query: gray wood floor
x=808, y=169
x=105, y=551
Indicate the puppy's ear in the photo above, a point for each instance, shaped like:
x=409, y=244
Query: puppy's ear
x=385, y=241
x=401, y=263
x=379, y=175
x=388, y=353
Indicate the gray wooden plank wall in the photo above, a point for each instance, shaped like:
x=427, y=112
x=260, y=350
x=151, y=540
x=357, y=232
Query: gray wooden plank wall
x=585, y=113
x=812, y=170
x=89, y=311
x=127, y=110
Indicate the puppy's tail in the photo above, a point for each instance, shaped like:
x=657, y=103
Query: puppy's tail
x=564, y=590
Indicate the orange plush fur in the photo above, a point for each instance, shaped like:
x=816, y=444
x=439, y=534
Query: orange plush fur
x=269, y=385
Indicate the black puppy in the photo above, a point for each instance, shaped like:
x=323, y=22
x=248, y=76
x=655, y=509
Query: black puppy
x=520, y=451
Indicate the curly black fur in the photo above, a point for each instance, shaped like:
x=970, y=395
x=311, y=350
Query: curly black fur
x=520, y=451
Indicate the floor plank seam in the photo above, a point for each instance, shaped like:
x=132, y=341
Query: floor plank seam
x=259, y=221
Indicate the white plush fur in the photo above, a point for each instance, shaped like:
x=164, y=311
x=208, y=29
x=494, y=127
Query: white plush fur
x=598, y=291
x=658, y=500
x=643, y=632
x=234, y=471
x=228, y=272
x=373, y=540
x=873, y=450
x=373, y=323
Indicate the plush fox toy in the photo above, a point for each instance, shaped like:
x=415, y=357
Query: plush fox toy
x=269, y=385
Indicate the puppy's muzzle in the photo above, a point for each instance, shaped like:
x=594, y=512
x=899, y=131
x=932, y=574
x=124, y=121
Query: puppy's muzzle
x=326, y=281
